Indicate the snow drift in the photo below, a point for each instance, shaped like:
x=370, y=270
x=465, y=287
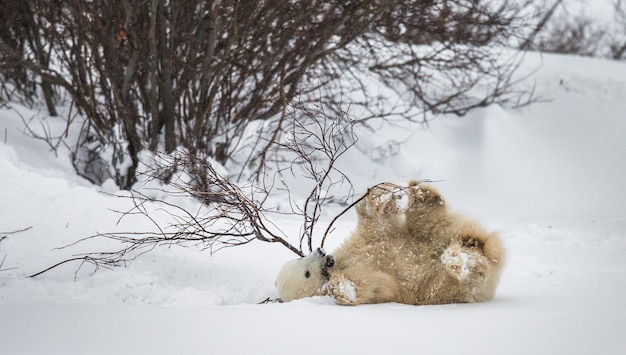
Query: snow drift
x=550, y=176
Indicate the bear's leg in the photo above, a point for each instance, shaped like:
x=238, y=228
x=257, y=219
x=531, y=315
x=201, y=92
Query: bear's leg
x=363, y=287
x=426, y=212
x=474, y=258
x=380, y=212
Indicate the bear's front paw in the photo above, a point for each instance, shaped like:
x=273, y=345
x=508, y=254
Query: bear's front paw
x=382, y=201
x=424, y=196
x=342, y=290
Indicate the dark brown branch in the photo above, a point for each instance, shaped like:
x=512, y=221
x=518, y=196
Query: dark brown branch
x=17, y=231
x=83, y=258
x=332, y=222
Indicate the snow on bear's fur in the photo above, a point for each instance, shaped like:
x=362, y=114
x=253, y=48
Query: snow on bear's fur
x=407, y=248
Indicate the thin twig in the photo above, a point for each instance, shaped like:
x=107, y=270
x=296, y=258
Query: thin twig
x=379, y=185
x=84, y=258
x=332, y=222
x=17, y=231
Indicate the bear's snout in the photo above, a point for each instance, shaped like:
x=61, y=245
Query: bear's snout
x=329, y=260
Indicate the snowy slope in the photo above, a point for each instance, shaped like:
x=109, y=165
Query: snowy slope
x=550, y=176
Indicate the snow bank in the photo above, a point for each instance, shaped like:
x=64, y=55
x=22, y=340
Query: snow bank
x=549, y=176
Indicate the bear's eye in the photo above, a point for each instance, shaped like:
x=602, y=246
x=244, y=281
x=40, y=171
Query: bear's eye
x=307, y=274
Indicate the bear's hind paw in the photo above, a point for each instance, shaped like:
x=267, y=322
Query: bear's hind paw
x=463, y=263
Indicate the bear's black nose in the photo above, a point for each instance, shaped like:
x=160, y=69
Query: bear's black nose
x=329, y=262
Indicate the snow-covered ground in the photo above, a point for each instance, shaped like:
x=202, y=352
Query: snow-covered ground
x=551, y=177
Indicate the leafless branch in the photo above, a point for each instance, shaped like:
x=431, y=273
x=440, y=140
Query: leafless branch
x=16, y=231
x=231, y=214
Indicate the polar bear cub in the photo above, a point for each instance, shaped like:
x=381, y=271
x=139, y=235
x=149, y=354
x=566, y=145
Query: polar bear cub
x=407, y=248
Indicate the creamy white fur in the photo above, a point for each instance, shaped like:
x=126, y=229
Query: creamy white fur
x=407, y=248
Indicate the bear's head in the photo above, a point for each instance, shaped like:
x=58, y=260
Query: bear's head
x=304, y=277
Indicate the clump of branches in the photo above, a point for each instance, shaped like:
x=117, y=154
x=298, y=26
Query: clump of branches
x=312, y=148
x=160, y=75
x=230, y=214
x=579, y=35
x=562, y=29
x=618, y=45
x=22, y=37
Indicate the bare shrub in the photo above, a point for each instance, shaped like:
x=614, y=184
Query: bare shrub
x=158, y=75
